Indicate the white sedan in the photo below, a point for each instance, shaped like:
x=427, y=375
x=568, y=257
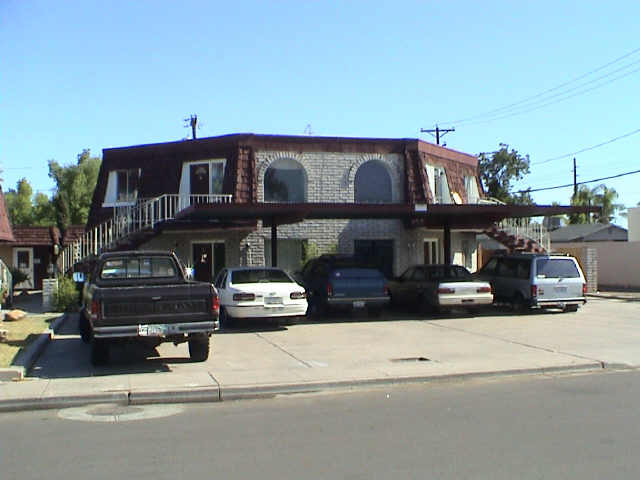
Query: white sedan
x=258, y=292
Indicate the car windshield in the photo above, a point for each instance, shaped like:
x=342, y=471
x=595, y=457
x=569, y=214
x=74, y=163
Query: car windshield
x=556, y=268
x=138, y=267
x=262, y=275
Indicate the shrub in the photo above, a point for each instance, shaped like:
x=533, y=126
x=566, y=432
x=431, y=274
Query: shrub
x=67, y=297
x=18, y=276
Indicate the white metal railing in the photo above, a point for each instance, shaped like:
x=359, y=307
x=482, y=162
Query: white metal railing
x=524, y=227
x=127, y=220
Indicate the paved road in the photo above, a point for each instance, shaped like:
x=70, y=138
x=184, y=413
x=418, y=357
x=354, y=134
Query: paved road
x=581, y=426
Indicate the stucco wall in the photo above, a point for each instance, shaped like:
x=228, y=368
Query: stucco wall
x=618, y=262
x=633, y=220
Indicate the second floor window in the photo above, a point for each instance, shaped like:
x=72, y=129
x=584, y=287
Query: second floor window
x=285, y=181
x=372, y=183
x=127, y=186
x=122, y=187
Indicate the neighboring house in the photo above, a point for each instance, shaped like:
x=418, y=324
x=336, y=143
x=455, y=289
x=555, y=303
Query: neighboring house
x=608, y=258
x=250, y=199
x=35, y=252
x=6, y=238
x=589, y=232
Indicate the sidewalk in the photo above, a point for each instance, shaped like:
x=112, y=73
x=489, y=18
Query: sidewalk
x=257, y=360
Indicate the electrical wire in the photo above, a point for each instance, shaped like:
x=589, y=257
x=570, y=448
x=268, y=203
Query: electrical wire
x=530, y=190
x=593, y=147
x=497, y=111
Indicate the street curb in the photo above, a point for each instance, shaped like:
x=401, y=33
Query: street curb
x=261, y=391
x=63, y=401
x=175, y=396
x=220, y=394
x=28, y=357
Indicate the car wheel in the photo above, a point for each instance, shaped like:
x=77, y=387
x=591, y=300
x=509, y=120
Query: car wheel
x=570, y=308
x=99, y=352
x=224, y=318
x=199, y=347
x=519, y=304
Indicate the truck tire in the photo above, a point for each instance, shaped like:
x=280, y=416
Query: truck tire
x=99, y=352
x=199, y=348
x=84, y=328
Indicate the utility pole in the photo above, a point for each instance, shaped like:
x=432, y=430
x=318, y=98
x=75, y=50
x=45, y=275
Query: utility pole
x=575, y=178
x=192, y=122
x=438, y=131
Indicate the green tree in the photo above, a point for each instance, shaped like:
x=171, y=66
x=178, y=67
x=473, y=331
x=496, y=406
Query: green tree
x=18, y=202
x=44, y=212
x=605, y=198
x=75, y=185
x=600, y=196
x=499, y=169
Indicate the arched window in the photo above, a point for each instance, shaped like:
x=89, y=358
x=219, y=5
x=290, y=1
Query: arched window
x=285, y=181
x=372, y=183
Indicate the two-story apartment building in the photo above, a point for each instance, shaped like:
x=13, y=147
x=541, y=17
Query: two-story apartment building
x=249, y=199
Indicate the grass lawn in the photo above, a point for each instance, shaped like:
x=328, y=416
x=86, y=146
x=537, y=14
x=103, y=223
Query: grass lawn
x=21, y=334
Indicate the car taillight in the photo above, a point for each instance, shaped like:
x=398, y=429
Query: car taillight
x=387, y=292
x=446, y=290
x=95, y=310
x=584, y=289
x=297, y=295
x=215, y=304
x=244, y=297
x=329, y=290
x=534, y=290
x=483, y=290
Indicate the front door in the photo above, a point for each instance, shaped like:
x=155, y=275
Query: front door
x=23, y=260
x=199, y=180
x=208, y=260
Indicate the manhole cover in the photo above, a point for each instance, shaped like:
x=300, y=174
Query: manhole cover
x=113, y=413
x=411, y=359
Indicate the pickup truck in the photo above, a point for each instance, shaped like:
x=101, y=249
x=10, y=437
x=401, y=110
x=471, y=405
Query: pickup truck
x=343, y=282
x=144, y=296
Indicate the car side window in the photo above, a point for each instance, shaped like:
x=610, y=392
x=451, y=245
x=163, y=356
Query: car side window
x=523, y=269
x=407, y=275
x=507, y=267
x=490, y=267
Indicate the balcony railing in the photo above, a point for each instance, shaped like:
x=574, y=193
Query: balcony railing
x=523, y=227
x=129, y=220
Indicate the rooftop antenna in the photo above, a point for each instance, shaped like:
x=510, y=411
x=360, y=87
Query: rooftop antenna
x=192, y=122
x=307, y=129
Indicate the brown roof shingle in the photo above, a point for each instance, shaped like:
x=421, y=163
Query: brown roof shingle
x=6, y=233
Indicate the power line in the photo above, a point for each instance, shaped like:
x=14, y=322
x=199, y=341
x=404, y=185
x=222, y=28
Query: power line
x=534, y=106
x=578, y=183
x=497, y=111
x=593, y=147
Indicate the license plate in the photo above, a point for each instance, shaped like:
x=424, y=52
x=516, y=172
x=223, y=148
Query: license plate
x=467, y=300
x=560, y=289
x=152, y=330
x=272, y=300
x=358, y=304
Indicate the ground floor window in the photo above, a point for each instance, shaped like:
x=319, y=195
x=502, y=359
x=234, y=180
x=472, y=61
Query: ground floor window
x=289, y=254
x=376, y=252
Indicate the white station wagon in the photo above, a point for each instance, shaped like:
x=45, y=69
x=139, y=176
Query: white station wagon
x=258, y=292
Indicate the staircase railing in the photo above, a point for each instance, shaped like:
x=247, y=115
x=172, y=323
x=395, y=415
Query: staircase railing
x=523, y=227
x=128, y=220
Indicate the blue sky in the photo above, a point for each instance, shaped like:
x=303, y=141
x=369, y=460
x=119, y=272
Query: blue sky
x=89, y=74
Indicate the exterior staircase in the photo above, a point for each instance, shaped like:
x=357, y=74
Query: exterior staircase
x=131, y=225
x=520, y=235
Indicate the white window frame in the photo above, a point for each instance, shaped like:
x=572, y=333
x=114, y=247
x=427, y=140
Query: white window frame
x=185, y=178
x=432, y=241
x=111, y=194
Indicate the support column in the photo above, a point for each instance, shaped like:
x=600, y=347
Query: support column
x=447, y=244
x=274, y=243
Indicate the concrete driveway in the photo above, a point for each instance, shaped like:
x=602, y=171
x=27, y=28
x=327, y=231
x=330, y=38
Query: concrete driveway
x=258, y=357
